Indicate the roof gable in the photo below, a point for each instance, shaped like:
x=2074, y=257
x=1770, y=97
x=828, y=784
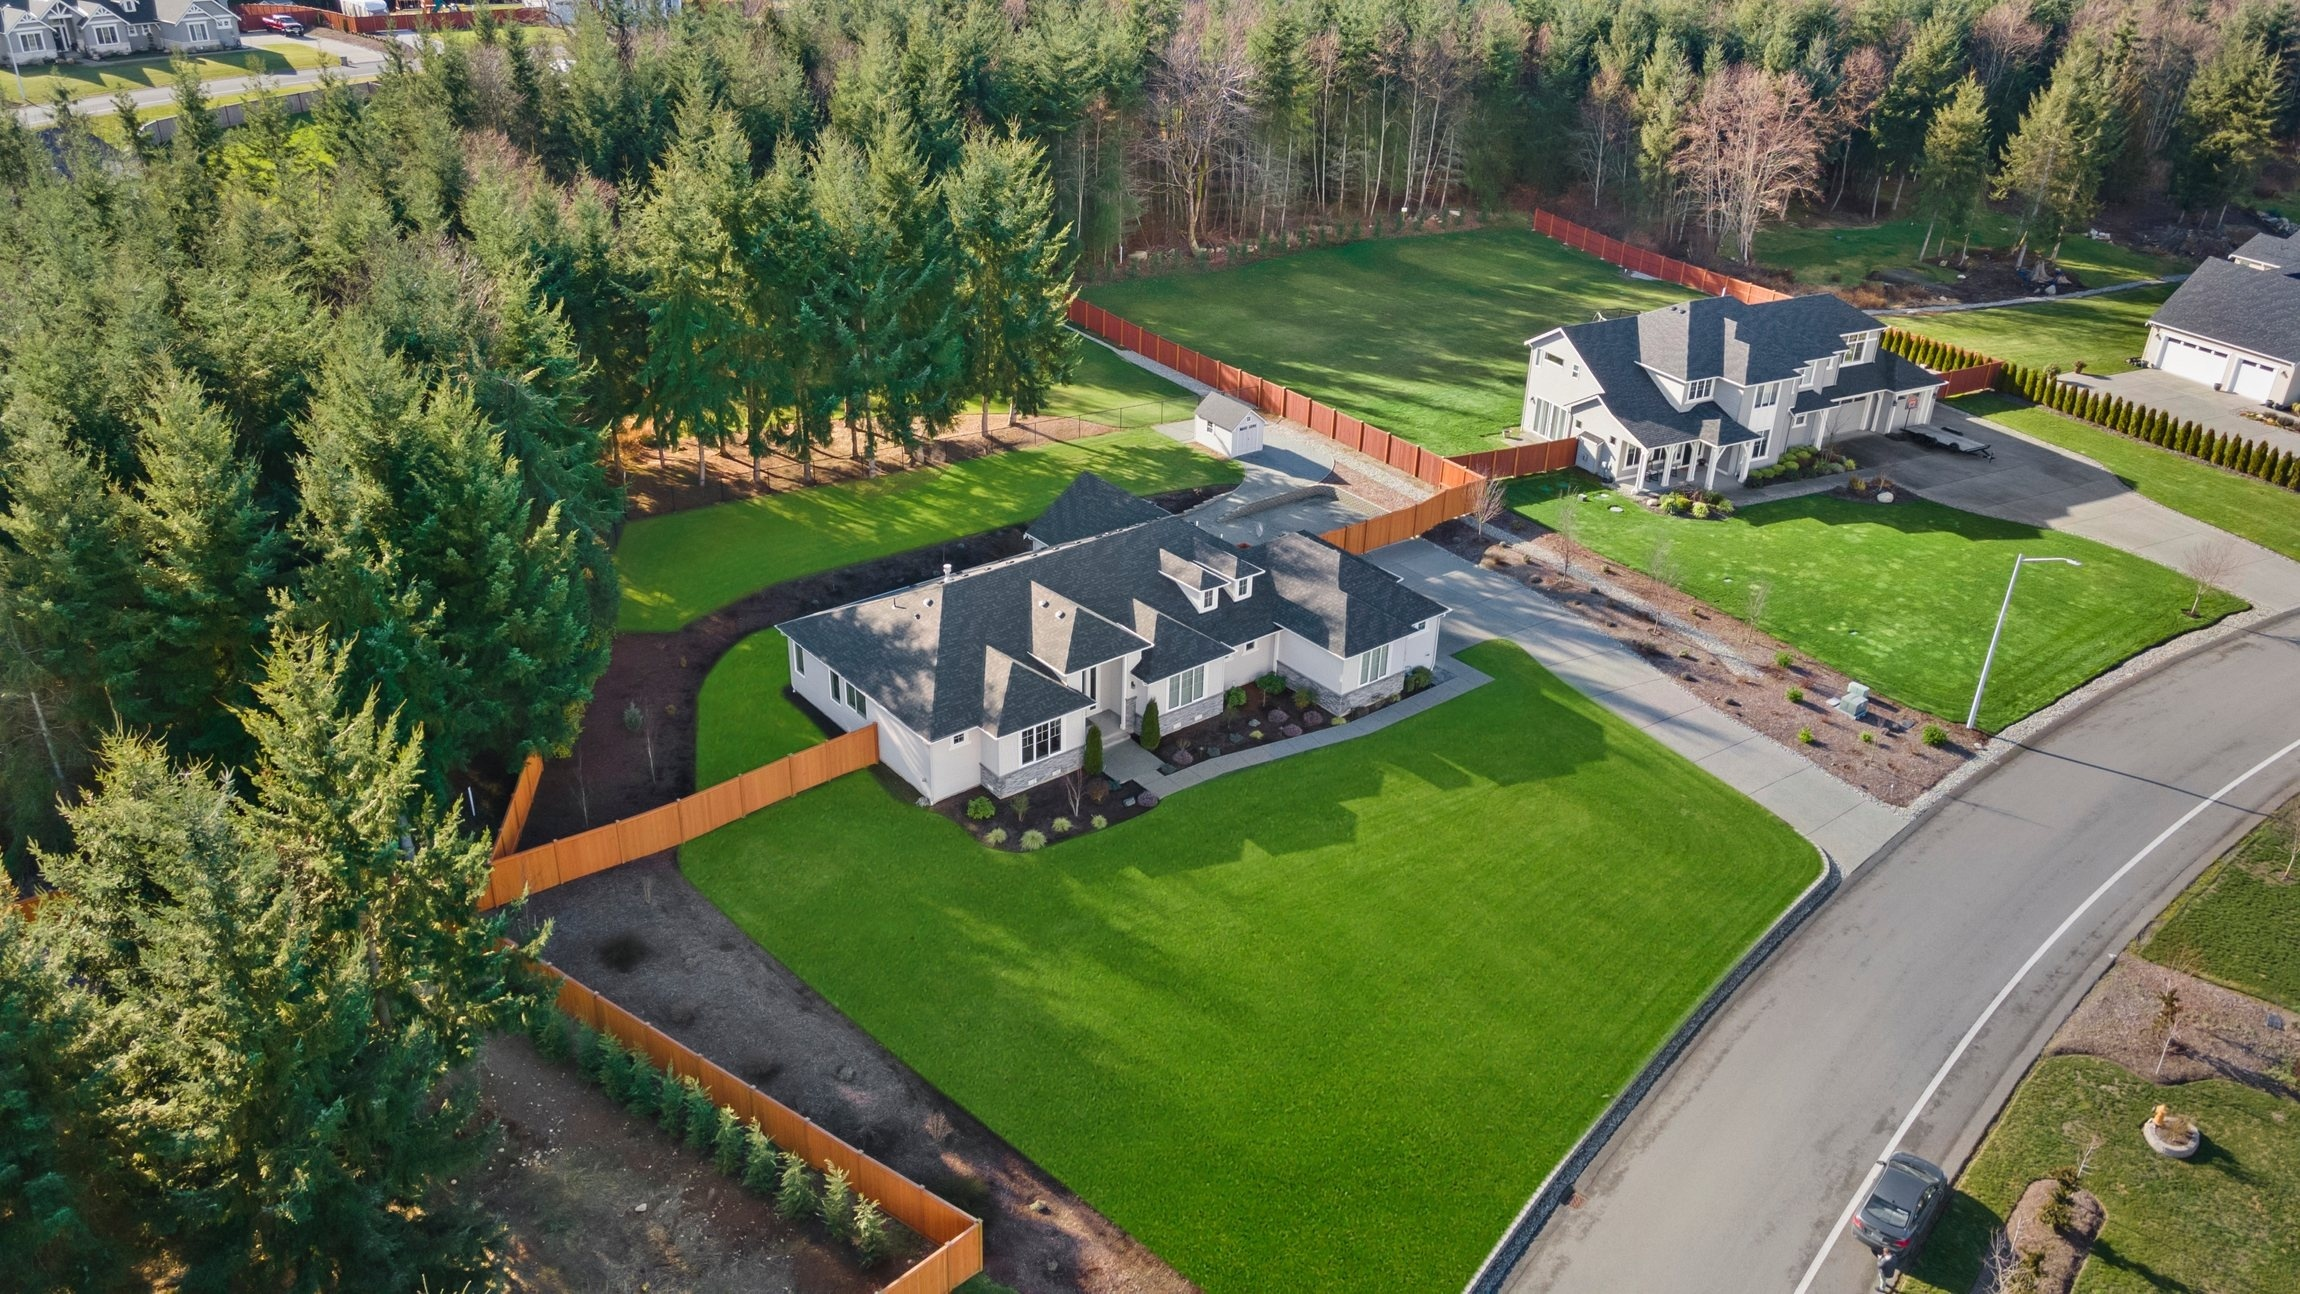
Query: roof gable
x=2254, y=310
x=1090, y=506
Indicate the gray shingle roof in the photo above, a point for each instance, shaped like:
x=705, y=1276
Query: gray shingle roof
x=2271, y=249
x=990, y=647
x=1888, y=372
x=1722, y=337
x=1090, y=506
x=1224, y=411
x=2254, y=310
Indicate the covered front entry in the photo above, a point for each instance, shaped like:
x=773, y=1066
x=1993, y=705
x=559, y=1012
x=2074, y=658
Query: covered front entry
x=1686, y=464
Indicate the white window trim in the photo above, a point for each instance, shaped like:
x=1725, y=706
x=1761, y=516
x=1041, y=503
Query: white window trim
x=802, y=659
x=1208, y=599
x=1768, y=394
x=1701, y=389
x=1373, y=664
x=847, y=694
x=1245, y=588
x=1047, y=736
x=1175, y=687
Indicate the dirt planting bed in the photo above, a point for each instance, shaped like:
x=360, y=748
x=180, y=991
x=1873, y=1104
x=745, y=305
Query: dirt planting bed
x=595, y=1199
x=644, y=937
x=1728, y=665
x=616, y=771
x=2220, y=1033
x=2051, y=1255
x=1048, y=810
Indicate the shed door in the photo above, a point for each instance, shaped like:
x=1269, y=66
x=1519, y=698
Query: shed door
x=2196, y=363
x=2254, y=380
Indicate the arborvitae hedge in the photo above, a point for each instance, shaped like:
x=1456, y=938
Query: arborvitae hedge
x=2243, y=454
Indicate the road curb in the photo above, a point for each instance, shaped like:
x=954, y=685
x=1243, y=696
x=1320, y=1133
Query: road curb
x=1557, y=1188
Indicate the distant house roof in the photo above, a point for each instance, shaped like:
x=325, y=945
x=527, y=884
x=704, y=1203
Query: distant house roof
x=1226, y=412
x=2274, y=251
x=994, y=646
x=1090, y=506
x=2249, y=309
x=1723, y=338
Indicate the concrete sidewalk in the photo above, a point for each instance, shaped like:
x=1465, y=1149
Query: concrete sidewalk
x=1486, y=604
x=350, y=62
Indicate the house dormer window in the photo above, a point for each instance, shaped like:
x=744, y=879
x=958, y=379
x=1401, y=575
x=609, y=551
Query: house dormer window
x=1861, y=349
x=1705, y=389
x=1809, y=376
x=1767, y=396
x=1245, y=588
x=1207, y=598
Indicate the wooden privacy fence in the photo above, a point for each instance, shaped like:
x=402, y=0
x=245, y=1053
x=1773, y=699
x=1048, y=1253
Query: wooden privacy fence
x=957, y=1235
x=1521, y=460
x=574, y=857
x=1646, y=261
x=1966, y=381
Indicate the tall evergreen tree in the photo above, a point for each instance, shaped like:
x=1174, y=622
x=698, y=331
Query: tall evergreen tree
x=1920, y=82
x=2227, y=127
x=685, y=240
x=1013, y=284
x=1955, y=176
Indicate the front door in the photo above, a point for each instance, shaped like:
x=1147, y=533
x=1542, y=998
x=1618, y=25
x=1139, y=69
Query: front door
x=1090, y=683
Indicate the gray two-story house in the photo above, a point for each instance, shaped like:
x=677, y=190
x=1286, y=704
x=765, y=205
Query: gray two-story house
x=42, y=31
x=1685, y=395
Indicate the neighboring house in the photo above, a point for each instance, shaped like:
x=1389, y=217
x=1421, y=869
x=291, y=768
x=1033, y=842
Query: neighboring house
x=45, y=30
x=2234, y=325
x=1711, y=388
x=1228, y=427
x=989, y=677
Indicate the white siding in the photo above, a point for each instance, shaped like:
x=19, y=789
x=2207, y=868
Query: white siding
x=1004, y=755
x=1302, y=657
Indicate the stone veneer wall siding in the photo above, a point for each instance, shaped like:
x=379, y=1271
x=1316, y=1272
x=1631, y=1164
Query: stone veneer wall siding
x=1056, y=765
x=1342, y=703
x=1198, y=711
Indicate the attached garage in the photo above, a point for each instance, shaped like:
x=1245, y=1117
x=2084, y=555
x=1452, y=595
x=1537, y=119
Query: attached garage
x=2255, y=380
x=2184, y=358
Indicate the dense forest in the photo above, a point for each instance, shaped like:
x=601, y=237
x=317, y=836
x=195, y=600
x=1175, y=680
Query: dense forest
x=306, y=497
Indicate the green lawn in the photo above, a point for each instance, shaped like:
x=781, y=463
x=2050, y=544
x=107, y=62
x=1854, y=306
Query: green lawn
x=1902, y=597
x=2221, y=1222
x=2265, y=514
x=1845, y=254
x=688, y=564
x=2239, y=924
x=2104, y=331
x=745, y=723
x=1320, y=1024
x=1109, y=390
x=1423, y=337
x=113, y=75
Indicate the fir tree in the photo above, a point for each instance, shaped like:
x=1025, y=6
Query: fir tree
x=1953, y=179
x=795, y=1195
x=685, y=238
x=2227, y=127
x=1013, y=285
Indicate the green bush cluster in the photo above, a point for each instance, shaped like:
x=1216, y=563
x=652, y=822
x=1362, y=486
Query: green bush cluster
x=1801, y=461
x=1700, y=504
x=1418, y=678
x=1234, y=700
x=1939, y=356
x=737, y=1148
x=1935, y=735
x=1272, y=683
x=2239, y=454
x=981, y=809
x=1091, y=761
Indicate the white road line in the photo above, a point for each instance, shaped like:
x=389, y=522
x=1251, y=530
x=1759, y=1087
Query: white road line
x=1939, y=1076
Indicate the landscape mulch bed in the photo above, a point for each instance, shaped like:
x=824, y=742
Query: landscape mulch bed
x=2063, y=1249
x=610, y=774
x=2221, y=1033
x=648, y=940
x=596, y=1199
x=1733, y=671
x=1043, y=807
x=659, y=483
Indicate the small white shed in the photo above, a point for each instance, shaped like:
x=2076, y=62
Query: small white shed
x=1229, y=427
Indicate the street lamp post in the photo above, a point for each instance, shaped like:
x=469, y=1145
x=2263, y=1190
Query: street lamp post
x=1972, y=720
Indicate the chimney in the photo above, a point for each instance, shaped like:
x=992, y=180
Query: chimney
x=1712, y=430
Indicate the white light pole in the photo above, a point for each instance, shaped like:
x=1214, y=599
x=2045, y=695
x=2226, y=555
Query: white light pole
x=1972, y=720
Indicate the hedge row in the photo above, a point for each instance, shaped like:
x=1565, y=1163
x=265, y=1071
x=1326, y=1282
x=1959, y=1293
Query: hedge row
x=2253, y=458
x=1939, y=356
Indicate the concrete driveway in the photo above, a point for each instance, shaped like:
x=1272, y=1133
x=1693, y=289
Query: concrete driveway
x=2182, y=398
x=2041, y=485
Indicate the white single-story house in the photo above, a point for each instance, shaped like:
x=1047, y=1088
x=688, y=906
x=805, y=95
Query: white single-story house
x=989, y=677
x=1230, y=428
x=1689, y=393
x=2234, y=324
x=41, y=31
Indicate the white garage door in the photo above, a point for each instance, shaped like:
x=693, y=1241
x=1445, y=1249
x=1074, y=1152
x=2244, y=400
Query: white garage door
x=2194, y=362
x=2254, y=381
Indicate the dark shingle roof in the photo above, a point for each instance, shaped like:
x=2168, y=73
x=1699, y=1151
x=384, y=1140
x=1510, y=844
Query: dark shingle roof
x=990, y=647
x=2254, y=310
x=2271, y=249
x=1887, y=372
x=1744, y=344
x=1090, y=506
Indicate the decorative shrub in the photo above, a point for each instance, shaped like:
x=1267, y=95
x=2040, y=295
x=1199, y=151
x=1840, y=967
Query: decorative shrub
x=1935, y=735
x=1868, y=738
x=838, y=1206
x=1417, y=678
x=1031, y=840
x=1302, y=698
x=1098, y=822
x=1091, y=761
x=1783, y=659
x=1271, y=684
x=1234, y=700
x=1700, y=510
x=1020, y=804
x=1805, y=736
x=870, y=1237
x=702, y=1117
x=1149, y=736
x=994, y=837
x=1796, y=696
x=762, y=1163
x=1061, y=826
x=795, y=1194
x=981, y=809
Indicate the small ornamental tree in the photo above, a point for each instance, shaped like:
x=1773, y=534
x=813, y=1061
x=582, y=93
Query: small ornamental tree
x=1091, y=761
x=838, y=1203
x=870, y=1236
x=728, y=1147
x=762, y=1163
x=1150, y=736
x=795, y=1192
x=703, y=1115
x=671, y=1108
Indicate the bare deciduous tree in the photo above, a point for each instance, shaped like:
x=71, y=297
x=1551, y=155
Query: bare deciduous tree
x=1197, y=93
x=2210, y=564
x=1569, y=530
x=1759, y=593
x=1492, y=501
x=2167, y=1019
x=1752, y=144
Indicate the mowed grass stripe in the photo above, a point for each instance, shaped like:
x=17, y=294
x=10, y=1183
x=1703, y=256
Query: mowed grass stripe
x=1423, y=337
x=678, y=567
x=1903, y=597
x=1321, y=1024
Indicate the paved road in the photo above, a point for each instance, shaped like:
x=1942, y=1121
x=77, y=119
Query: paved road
x=1733, y=1174
x=352, y=61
